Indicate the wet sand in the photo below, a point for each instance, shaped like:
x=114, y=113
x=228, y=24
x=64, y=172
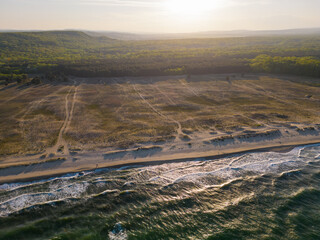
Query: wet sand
x=94, y=160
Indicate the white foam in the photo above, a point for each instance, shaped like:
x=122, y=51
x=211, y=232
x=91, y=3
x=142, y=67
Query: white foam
x=23, y=201
x=206, y=173
x=233, y=167
x=118, y=236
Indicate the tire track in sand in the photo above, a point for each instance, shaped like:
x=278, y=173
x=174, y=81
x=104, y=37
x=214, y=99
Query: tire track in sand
x=174, y=103
x=61, y=142
x=179, y=130
x=190, y=89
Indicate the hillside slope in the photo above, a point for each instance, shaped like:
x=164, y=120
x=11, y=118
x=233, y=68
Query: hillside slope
x=66, y=39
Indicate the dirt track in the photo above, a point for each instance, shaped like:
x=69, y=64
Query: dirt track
x=179, y=129
x=61, y=145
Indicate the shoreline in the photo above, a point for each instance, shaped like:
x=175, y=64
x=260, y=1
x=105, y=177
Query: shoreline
x=155, y=121
x=209, y=155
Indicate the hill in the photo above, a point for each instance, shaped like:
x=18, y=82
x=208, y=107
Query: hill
x=66, y=39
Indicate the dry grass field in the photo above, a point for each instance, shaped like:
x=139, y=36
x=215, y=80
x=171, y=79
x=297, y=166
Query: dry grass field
x=178, y=113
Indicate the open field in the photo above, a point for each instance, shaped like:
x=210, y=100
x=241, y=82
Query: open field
x=95, y=122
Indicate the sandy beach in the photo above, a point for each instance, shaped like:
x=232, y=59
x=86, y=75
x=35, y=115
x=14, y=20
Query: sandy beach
x=31, y=168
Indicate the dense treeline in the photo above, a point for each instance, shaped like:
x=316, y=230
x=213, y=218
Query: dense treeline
x=78, y=54
x=154, y=66
x=308, y=66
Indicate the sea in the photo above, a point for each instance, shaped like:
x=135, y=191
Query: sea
x=256, y=195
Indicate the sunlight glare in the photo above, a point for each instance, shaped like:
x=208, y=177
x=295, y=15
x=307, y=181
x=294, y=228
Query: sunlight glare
x=186, y=7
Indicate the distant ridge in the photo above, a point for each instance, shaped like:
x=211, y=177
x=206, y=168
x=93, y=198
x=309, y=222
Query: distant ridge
x=207, y=34
x=164, y=36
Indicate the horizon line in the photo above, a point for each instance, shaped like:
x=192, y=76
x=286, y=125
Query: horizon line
x=159, y=33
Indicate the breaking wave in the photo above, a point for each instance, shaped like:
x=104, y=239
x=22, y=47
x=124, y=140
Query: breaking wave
x=244, y=196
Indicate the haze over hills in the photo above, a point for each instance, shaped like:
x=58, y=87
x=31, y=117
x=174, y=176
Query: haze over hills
x=208, y=34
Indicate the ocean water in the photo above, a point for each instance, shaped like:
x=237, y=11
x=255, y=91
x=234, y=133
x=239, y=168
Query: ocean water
x=248, y=196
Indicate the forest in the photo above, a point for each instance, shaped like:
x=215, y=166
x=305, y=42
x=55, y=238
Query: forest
x=76, y=53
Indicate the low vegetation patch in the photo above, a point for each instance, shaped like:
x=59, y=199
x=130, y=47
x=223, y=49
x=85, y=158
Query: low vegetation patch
x=179, y=108
x=203, y=100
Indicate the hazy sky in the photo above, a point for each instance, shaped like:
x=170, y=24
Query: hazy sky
x=159, y=15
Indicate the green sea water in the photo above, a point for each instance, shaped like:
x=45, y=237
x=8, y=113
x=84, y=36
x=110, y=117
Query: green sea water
x=248, y=196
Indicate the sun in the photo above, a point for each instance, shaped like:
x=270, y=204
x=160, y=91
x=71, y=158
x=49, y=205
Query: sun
x=187, y=7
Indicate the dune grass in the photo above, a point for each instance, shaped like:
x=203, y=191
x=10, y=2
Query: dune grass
x=123, y=113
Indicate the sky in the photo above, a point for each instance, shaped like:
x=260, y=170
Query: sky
x=159, y=16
